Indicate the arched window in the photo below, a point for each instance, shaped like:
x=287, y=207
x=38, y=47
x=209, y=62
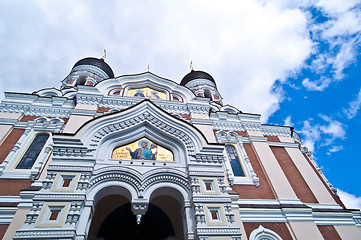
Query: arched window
x=29, y=158
x=234, y=161
x=207, y=93
x=262, y=233
x=81, y=80
x=144, y=149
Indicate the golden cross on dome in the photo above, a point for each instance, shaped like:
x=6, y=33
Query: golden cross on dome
x=191, y=66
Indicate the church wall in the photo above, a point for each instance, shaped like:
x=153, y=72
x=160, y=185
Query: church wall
x=305, y=230
x=274, y=173
x=329, y=232
x=16, y=223
x=279, y=227
x=309, y=175
x=4, y=131
x=3, y=228
x=278, y=179
x=263, y=191
x=75, y=122
x=12, y=187
x=9, y=142
x=348, y=232
x=295, y=178
x=322, y=180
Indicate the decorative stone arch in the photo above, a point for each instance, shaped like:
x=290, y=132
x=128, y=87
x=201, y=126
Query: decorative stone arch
x=146, y=78
x=103, y=134
x=118, y=190
x=262, y=233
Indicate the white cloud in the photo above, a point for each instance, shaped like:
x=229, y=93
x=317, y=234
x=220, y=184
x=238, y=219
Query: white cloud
x=322, y=134
x=350, y=200
x=354, y=107
x=288, y=121
x=334, y=128
x=311, y=134
x=340, y=38
x=248, y=44
x=334, y=149
x=317, y=85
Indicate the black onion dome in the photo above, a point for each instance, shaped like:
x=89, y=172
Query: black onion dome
x=196, y=75
x=99, y=63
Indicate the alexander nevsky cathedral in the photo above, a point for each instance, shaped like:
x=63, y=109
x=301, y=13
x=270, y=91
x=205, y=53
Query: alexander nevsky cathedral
x=145, y=157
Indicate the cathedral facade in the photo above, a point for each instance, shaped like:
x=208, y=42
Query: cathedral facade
x=144, y=157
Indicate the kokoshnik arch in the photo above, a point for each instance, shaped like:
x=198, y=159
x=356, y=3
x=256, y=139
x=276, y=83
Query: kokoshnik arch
x=143, y=157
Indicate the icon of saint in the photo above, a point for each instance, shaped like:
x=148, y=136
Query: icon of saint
x=154, y=95
x=144, y=151
x=139, y=93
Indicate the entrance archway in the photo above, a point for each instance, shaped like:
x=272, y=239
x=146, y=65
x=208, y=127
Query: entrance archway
x=121, y=224
x=113, y=219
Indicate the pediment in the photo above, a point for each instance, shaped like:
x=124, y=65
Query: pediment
x=145, y=85
x=144, y=119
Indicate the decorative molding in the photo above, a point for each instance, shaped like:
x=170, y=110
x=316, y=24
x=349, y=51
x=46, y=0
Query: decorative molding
x=211, y=199
x=264, y=234
x=145, y=117
x=59, y=197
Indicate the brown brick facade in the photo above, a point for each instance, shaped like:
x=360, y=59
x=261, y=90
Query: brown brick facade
x=264, y=191
x=103, y=109
x=9, y=142
x=298, y=183
x=32, y=118
x=279, y=228
x=3, y=228
x=273, y=139
x=329, y=232
x=12, y=187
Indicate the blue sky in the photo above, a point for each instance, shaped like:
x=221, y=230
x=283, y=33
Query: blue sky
x=294, y=61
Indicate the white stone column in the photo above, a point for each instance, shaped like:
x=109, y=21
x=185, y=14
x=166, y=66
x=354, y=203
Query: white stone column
x=84, y=221
x=189, y=222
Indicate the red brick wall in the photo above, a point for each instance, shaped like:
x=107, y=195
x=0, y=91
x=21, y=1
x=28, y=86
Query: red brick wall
x=12, y=187
x=243, y=134
x=185, y=116
x=264, y=191
x=329, y=232
x=103, y=109
x=3, y=228
x=9, y=143
x=32, y=118
x=298, y=183
x=279, y=228
x=273, y=139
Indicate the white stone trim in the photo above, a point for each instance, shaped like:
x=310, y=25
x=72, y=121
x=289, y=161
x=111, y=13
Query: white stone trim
x=262, y=233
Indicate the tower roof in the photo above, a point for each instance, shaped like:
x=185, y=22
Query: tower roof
x=99, y=63
x=196, y=75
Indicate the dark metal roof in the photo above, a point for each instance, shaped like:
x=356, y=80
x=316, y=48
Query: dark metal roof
x=99, y=63
x=196, y=75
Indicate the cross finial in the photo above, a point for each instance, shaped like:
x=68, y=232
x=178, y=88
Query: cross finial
x=104, y=55
x=191, y=66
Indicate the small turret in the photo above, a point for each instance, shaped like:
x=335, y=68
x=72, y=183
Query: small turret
x=202, y=84
x=88, y=71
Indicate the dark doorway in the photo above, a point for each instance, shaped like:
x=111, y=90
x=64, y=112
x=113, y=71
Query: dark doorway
x=121, y=224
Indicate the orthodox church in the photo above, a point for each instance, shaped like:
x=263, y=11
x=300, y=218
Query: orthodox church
x=144, y=157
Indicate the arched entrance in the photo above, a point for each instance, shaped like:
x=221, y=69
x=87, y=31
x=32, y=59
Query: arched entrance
x=121, y=224
x=113, y=218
